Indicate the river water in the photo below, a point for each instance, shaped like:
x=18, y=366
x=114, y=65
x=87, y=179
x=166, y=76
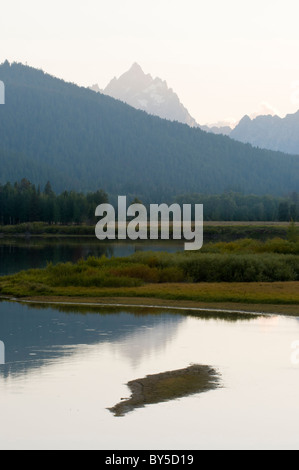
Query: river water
x=19, y=254
x=66, y=366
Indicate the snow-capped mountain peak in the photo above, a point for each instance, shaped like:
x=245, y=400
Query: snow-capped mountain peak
x=149, y=94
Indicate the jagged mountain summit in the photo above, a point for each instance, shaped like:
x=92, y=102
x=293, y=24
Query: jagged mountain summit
x=149, y=94
x=270, y=132
x=96, y=88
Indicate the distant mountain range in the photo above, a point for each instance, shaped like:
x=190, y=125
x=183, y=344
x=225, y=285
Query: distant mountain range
x=153, y=96
x=81, y=140
x=149, y=94
x=217, y=129
x=271, y=132
x=262, y=128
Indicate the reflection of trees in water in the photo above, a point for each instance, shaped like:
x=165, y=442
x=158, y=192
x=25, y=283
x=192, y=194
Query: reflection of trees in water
x=36, y=253
x=15, y=257
x=99, y=251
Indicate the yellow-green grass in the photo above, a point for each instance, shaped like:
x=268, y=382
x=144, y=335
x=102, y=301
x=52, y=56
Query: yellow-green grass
x=278, y=293
x=255, y=279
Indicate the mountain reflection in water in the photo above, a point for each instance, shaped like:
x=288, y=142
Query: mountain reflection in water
x=36, y=336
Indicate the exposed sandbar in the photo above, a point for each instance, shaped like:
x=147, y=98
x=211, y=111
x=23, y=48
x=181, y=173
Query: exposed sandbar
x=167, y=386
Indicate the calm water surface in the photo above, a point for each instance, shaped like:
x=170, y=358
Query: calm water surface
x=17, y=255
x=65, y=368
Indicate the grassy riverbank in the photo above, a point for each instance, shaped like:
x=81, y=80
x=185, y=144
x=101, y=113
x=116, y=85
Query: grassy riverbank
x=278, y=293
x=242, y=272
x=213, y=230
x=145, y=305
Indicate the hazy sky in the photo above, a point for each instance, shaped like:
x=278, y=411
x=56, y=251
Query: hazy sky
x=222, y=57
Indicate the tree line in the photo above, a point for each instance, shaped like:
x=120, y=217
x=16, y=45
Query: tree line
x=24, y=202
x=233, y=206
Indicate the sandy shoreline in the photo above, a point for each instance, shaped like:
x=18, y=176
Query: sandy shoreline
x=153, y=303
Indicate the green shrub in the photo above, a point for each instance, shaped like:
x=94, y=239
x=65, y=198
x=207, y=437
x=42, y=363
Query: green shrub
x=137, y=271
x=241, y=268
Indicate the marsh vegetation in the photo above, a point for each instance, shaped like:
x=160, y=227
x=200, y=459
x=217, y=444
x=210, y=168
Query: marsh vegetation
x=246, y=270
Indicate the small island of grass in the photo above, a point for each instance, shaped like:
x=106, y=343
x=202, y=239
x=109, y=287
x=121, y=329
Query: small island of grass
x=167, y=386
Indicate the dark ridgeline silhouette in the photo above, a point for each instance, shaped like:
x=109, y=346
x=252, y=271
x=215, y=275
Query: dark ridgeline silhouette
x=81, y=140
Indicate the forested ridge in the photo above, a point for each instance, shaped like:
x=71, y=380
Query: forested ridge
x=81, y=140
